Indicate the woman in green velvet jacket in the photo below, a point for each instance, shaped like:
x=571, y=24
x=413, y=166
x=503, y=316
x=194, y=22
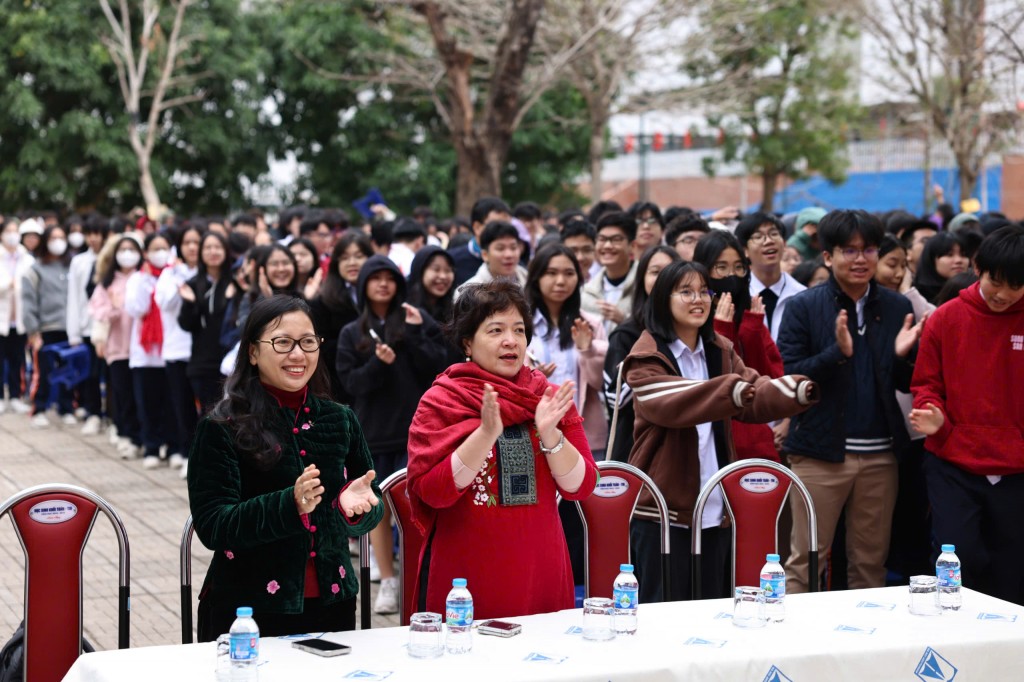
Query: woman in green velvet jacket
x=279, y=479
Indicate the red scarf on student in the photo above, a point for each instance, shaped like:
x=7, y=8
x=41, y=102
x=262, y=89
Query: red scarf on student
x=151, y=329
x=450, y=410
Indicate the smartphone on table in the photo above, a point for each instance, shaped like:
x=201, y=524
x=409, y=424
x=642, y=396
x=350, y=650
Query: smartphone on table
x=499, y=628
x=322, y=647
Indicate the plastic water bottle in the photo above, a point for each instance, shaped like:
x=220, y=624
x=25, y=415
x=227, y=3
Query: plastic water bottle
x=773, y=583
x=245, y=646
x=947, y=570
x=625, y=595
x=458, y=609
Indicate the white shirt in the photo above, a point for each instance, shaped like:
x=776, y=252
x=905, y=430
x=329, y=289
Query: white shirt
x=786, y=288
x=693, y=364
x=401, y=255
x=547, y=350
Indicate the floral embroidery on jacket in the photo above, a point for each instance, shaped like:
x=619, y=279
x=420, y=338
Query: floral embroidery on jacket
x=229, y=554
x=341, y=572
x=273, y=587
x=483, y=488
x=334, y=588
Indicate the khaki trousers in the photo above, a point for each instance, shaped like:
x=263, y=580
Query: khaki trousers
x=866, y=485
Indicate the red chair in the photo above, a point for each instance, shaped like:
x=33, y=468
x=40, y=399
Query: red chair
x=53, y=523
x=755, y=492
x=608, y=512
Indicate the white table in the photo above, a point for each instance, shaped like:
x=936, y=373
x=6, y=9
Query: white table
x=852, y=635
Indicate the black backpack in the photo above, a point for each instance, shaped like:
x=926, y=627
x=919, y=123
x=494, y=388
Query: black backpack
x=12, y=656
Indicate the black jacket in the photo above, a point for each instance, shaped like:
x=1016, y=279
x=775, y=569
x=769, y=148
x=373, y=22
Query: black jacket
x=807, y=342
x=384, y=397
x=620, y=343
x=328, y=323
x=203, y=318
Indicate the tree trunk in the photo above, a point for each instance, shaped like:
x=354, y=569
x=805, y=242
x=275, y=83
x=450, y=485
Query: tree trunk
x=596, y=160
x=476, y=177
x=146, y=184
x=769, y=179
x=968, y=178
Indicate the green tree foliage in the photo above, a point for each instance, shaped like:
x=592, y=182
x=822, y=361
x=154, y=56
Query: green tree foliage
x=784, y=102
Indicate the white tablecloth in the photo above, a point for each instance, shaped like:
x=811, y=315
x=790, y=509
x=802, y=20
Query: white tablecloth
x=852, y=635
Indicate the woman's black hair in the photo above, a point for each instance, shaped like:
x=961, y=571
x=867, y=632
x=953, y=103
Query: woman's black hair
x=889, y=244
x=570, y=309
x=247, y=408
x=152, y=237
x=708, y=250
x=334, y=291
x=108, y=277
x=477, y=302
x=927, y=279
x=804, y=272
x=43, y=254
x=439, y=308
x=308, y=245
x=953, y=286
x=267, y=251
x=658, y=310
x=640, y=291
x=393, y=328
x=178, y=237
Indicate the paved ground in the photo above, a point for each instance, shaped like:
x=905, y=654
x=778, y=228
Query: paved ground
x=153, y=506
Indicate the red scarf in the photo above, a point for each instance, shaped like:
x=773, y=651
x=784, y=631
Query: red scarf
x=450, y=411
x=151, y=331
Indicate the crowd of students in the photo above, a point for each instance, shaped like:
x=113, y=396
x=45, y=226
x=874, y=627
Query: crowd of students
x=677, y=330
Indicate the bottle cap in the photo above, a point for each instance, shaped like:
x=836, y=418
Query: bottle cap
x=459, y=582
x=626, y=568
x=949, y=548
x=243, y=612
x=772, y=557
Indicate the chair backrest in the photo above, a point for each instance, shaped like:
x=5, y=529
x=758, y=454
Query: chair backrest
x=606, y=517
x=410, y=541
x=53, y=523
x=186, y=581
x=755, y=492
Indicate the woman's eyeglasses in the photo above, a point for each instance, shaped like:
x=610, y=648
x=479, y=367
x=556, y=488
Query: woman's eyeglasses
x=689, y=295
x=285, y=344
x=720, y=270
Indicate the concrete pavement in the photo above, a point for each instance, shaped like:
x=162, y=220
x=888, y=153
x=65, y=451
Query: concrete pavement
x=153, y=506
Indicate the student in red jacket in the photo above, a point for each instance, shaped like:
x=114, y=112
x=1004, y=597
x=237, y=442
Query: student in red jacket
x=968, y=401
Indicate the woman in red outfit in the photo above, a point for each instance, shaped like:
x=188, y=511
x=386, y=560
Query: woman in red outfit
x=740, y=318
x=491, y=443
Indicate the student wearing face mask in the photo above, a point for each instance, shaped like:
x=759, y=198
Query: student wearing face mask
x=106, y=306
x=79, y=324
x=15, y=261
x=740, y=318
x=44, y=299
x=145, y=356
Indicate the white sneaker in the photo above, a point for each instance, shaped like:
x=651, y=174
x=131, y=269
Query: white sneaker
x=184, y=469
x=3, y=405
x=92, y=426
x=387, y=597
x=176, y=460
x=374, y=568
x=128, y=449
x=150, y=462
x=40, y=421
x=81, y=413
x=112, y=434
x=19, y=406
x=68, y=419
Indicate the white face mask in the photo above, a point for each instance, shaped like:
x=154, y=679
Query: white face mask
x=11, y=239
x=159, y=258
x=57, y=247
x=76, y=239
x=127, y=258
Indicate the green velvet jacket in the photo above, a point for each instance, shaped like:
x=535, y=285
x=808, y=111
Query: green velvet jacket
x=249, y=519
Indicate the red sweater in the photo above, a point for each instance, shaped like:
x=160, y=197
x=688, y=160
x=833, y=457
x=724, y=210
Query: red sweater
x=970, y=364
x=753, y=343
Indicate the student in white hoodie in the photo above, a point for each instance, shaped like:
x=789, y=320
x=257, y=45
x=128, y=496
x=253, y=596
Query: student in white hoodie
x=15, y=260
x=177, y=347
x=146, y=352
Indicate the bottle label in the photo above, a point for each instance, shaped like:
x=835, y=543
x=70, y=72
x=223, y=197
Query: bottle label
x=625, y=597
x=948, y=576
x=245, y=647
x=459, y=615
x=774, y=587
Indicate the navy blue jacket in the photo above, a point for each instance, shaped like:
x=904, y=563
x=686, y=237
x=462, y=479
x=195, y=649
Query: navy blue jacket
x=807, y=342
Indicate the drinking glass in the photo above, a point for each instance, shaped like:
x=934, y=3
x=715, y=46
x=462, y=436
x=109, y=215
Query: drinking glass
x=924, y=595
x=748, y=607
x=425, y=635
x=598, y=613
x=222, y=669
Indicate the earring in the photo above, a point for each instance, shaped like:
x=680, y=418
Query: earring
x=469, y=359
